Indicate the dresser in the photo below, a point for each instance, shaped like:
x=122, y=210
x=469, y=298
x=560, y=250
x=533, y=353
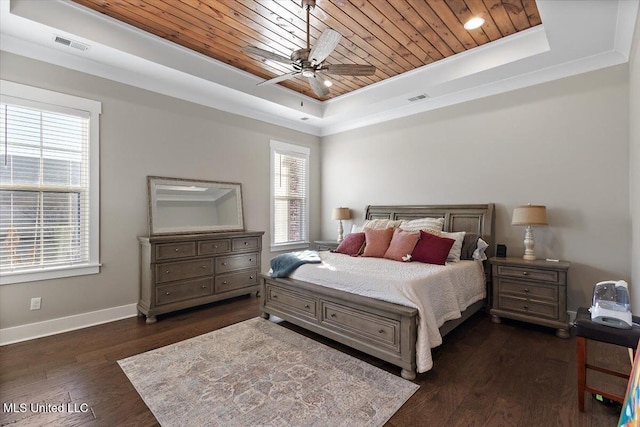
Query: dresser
x=530, y=291
x=182, y=271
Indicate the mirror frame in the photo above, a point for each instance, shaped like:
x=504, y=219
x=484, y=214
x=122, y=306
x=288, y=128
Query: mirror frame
x=152, y=181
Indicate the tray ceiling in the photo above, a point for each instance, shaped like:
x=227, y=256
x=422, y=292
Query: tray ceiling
x=424, y=60
x=392, y=35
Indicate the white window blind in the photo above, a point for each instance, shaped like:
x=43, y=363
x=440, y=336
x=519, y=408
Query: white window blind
x=45, y=190
x=290, y=198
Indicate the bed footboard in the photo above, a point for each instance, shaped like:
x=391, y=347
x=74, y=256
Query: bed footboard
x=381, y=329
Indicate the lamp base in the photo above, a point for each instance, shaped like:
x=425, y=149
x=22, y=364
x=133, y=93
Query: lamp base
x=529, y=244
x=340, y=232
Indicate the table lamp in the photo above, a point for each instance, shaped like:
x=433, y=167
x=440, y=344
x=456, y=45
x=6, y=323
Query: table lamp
x=529, y=215
x=340, y=214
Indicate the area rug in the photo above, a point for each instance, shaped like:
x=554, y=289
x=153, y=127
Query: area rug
x=259, y=373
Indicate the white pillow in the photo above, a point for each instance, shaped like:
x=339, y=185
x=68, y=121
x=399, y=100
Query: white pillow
x=429, y=225
x=356, y=228
x=479, y=254
x=381, y=224
x=454, y=253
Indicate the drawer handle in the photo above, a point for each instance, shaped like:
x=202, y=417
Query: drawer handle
x=526, y=289
x=526, y=307
x=525, y=273
x=167, y=272
x=224, y=263
x=250, y=259
x=224, y=283
x=333, y=315
x=204, y=267
x=203, y=286
x=274, y=296
x=215, y=246
x=381, y=331
x=251, y=277
x=246, y=243
x=306, y=306
x=177, y=249
x=167, y=293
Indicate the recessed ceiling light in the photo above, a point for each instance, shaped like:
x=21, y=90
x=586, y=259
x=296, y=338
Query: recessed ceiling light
x=328, y=83
x=473, y=23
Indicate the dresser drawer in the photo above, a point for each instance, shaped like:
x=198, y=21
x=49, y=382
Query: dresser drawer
x=526, y=306
x=175, y=250
x=230, y=282
x=290, y=300
x=236, y=262
x=184, y=291
x=550, y=276
x=361, y=325
x=213, y=247
x=169, y=271
x=245, y=244
x=528, y=289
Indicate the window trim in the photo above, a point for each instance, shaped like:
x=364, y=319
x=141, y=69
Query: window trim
x=42, y=97
x=283, y=147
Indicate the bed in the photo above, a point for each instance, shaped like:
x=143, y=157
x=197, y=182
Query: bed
x=384, y=327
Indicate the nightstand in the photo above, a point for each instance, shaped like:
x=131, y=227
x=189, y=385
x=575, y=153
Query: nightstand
x=326, y=245
x=530, y=291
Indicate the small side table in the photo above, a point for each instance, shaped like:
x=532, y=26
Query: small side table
x=326, y=245
x=586, y=329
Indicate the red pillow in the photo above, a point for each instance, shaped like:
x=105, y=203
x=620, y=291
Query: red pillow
x=432, y=249
x=377, y=241
x=351, y=245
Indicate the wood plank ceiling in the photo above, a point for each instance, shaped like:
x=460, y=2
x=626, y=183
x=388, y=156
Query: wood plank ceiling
x=395, y=36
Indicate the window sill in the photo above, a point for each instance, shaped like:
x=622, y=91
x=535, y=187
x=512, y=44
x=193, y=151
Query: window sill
x=289, y=247
x=42, y=274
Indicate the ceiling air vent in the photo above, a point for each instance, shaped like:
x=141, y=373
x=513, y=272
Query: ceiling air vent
x=71, y=43
x=418, y=97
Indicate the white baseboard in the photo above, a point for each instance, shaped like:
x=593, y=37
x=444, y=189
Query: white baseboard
x=65, y=324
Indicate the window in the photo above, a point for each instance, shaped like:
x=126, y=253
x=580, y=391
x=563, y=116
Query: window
x=48, y=184
x=289, y=196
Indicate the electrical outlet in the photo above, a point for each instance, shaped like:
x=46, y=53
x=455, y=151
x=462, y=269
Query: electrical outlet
x=35, y=303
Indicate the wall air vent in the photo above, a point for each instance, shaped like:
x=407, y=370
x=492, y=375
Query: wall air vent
x=71, y=43
x=418, y=97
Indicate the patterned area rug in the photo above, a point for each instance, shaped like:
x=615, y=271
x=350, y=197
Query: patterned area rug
x=259, y=373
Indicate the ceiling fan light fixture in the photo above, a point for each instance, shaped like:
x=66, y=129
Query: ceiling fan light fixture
x=473, y=23
x=307, y=72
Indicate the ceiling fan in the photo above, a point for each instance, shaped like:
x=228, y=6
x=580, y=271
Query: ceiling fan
x=310, y=61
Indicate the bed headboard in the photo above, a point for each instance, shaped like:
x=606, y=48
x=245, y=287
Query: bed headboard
x=470, y=218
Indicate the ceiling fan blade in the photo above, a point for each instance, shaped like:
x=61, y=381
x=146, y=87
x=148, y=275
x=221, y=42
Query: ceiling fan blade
x=279, y=78
x=349, y=69
x=318, y=87
x=267, y=55
x=325, y=44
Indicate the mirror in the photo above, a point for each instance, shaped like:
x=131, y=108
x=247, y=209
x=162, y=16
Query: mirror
x=193, y=206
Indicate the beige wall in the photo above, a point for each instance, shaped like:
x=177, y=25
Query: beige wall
x=143, y=133
x=564, y=144
x=634, y=164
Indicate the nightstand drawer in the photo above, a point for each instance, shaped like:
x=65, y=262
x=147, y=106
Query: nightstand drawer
x=528, y=290
x=550, y=276
x=526, y=306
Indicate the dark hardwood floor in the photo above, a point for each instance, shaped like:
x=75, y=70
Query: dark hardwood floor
x=511, y=374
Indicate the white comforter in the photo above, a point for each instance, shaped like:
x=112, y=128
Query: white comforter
x=439, y=292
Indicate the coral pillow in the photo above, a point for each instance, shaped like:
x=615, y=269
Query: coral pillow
x=402, y=244
x=377, y=242
x=432, y=249
x=351, y=245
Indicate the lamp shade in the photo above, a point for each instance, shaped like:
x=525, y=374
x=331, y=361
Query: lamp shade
x=529, y=215
x=341, y=213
